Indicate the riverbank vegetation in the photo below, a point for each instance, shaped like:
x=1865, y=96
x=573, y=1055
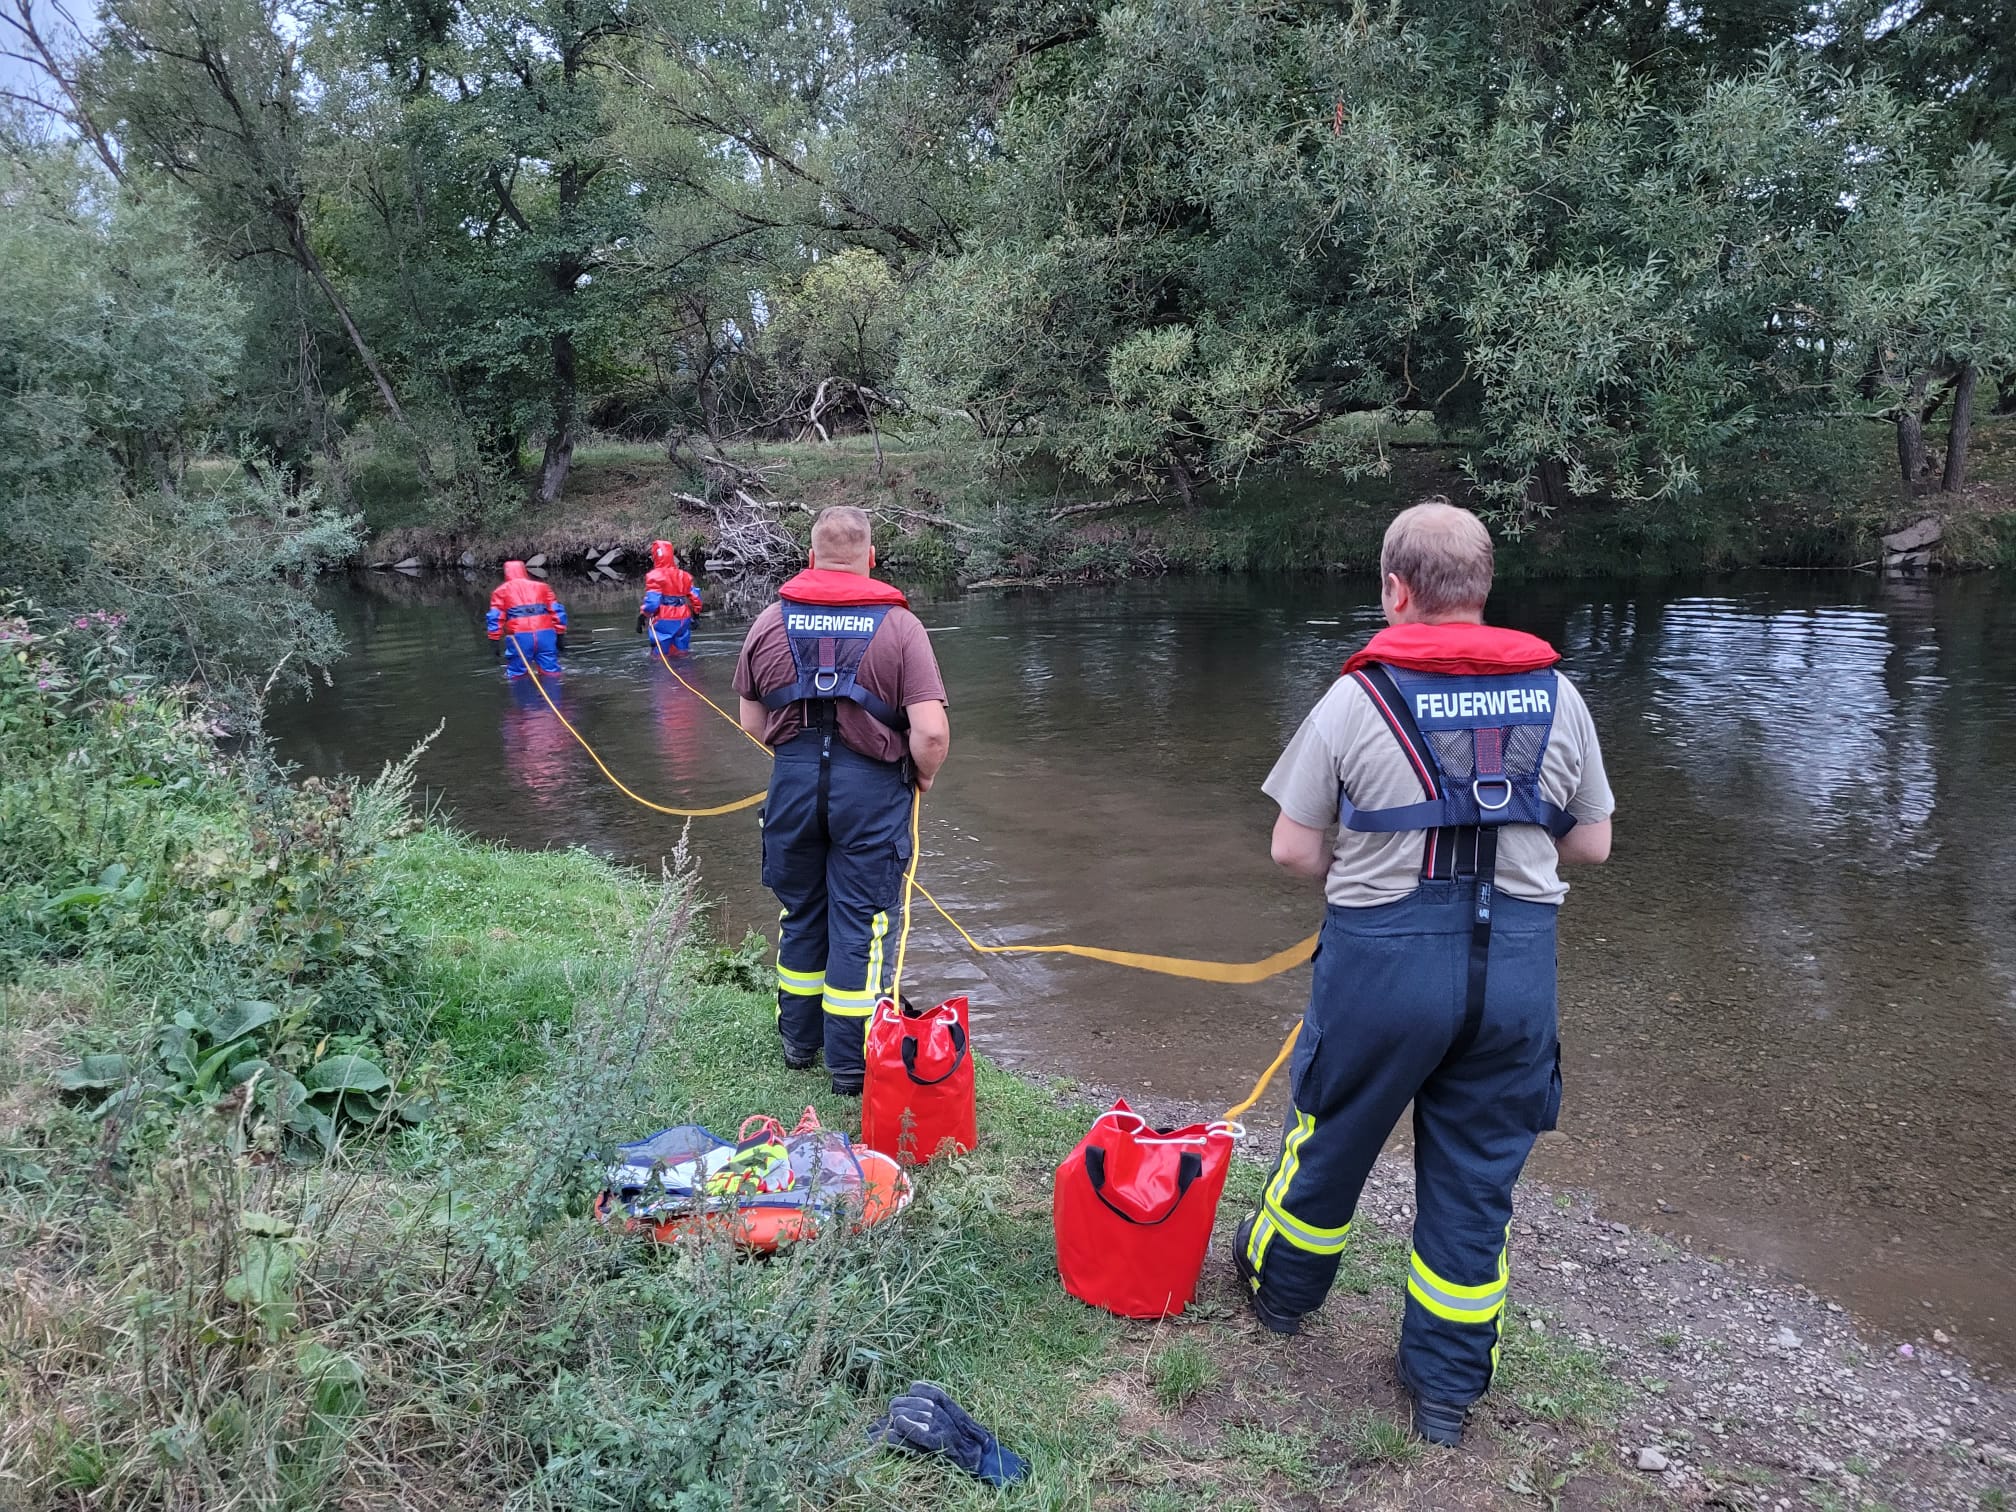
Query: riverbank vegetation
x=1615, y=260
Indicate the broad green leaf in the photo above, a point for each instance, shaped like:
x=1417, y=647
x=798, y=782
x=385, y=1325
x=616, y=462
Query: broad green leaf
x=345, y=1073
x=240, y=1019
x=95, y=1072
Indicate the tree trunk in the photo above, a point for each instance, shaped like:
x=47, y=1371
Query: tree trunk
x=1960, y=424
x=559, y=458
x=1550, y=485
x=1911, y=433
x=297, y=236
x=874, y=430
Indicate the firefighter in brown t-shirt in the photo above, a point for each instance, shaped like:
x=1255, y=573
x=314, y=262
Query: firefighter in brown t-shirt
x=839, y=679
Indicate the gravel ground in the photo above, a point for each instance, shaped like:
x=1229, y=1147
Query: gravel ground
x=1733, y=1377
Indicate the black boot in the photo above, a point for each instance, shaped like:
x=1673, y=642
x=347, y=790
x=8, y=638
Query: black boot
x=1437, y=1422
x=1270, y=1320
x=799, y=1060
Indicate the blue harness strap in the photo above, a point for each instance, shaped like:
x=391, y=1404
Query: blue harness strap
x=1477, y=745
x=827, y=644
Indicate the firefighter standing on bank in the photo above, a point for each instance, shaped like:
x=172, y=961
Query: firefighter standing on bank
x=839, y=678
x=1459, y=770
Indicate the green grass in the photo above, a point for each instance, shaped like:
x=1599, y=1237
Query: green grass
x=1552, y=1378
x=1373, y=1438
x=504, y=936
x=1287, y=1452
x=1182, y=1371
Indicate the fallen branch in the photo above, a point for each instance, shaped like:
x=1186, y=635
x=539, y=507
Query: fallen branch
x=1097, y=505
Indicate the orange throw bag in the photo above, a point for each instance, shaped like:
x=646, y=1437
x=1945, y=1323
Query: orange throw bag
x=920, y=1066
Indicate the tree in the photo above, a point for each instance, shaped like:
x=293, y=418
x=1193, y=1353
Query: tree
x=118, y=344
x=210, y=94
x=838, y=331
x=1929, y=274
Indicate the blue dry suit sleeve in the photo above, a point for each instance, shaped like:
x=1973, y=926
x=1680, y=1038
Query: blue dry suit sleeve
x=560, y=615
x=698, y=603
x=652, y=600
x=493, y=623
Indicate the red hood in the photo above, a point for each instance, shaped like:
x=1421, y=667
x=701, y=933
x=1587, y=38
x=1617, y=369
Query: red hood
x=1456, y=650
x=662, y=554
x=514, y=572
x=840, y=590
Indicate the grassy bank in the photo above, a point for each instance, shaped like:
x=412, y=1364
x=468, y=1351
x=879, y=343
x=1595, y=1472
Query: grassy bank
x=947, y=513
x=298, y=1106
x=426, y=1318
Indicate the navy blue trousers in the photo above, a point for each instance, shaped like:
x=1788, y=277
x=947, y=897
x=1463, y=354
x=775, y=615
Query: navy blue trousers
x=542, y=647
x=671, y=634
x=1384, y=1027
x=836, y=840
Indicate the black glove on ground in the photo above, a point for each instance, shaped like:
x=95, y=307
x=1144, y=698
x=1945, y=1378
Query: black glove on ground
x=925, y=1420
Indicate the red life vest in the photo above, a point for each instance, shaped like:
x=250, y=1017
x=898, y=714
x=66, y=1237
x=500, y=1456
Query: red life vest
x=522, y=603
x=840, y=590
x=672, y=583
x=1456, y=650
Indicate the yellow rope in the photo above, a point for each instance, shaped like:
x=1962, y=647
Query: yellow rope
x=708, y=701
x=678, y=813
x=909, y=886
x=1236, y=973
x=1233, y=1113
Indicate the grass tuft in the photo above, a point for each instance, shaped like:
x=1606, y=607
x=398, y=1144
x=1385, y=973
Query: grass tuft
x=1181, y=1372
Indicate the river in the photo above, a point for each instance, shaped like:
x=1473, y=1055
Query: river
x=1788, y=1004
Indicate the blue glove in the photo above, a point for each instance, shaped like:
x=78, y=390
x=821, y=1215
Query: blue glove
x=925, y=1420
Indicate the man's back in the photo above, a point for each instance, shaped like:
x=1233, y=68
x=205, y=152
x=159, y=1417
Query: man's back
x=898, y=667
x=1346, y=745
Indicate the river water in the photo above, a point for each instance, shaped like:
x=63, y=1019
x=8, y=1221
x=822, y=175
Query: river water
x=1788, y=1004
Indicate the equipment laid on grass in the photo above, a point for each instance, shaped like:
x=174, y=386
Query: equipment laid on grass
x=920, y=1069
x=1133, y=1211
x=764, y=1189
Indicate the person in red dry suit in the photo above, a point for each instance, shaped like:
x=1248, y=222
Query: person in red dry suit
x=670, y=601
x=528, y=620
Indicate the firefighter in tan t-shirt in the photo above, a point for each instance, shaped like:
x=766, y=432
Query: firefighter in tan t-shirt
x=839, y=679
x=1459, y=769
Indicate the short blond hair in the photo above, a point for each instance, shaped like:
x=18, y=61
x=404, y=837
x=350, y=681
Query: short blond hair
x=1443, y=554
x=841, y=533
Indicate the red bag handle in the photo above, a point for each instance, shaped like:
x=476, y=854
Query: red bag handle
x=910, y=1058
x=1188, y=1168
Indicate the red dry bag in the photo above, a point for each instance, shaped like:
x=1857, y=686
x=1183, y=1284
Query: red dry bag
x=1133, y=1212
x=920, y=1068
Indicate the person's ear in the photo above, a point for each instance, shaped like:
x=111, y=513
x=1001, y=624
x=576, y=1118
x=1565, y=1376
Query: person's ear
x=871, y=557
x=811, y=558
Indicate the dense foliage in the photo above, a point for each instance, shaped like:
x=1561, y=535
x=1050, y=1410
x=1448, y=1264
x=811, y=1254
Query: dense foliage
x=1588, y=250
x=122, y=352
